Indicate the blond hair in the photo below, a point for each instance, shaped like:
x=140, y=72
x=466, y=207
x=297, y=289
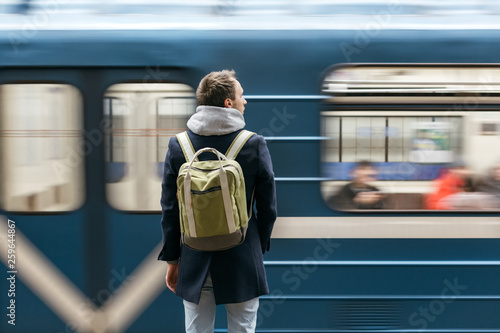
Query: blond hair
x=215, y=87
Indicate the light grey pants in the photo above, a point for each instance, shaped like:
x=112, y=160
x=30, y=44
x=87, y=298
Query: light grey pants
x=200, y=318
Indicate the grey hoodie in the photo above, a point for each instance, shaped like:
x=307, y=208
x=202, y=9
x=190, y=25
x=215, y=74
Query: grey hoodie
x=214, y=120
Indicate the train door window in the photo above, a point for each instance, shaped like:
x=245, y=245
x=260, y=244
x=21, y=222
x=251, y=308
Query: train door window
x=142, y=118
x=411, y=138
x=41, y=135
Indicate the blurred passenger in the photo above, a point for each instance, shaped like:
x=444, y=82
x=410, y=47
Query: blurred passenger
x=359, y=194
x=490, y=185
x=454, y=189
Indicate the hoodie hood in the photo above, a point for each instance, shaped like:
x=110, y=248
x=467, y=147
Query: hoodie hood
x=214, y=120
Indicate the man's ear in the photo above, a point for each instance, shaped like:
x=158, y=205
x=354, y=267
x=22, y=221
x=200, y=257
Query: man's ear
x=228, y=103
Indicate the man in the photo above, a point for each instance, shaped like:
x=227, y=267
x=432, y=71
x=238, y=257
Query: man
x=359, y=194
x=234, y=277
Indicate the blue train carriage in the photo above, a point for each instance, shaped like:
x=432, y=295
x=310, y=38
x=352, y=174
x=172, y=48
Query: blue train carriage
x=85, y=119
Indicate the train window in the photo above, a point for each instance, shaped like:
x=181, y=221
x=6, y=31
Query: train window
x=41, y=135
x=142, y=118
x=411, y=138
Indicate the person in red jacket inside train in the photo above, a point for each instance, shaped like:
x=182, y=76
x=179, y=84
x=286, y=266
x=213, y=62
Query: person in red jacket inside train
x=449, y=187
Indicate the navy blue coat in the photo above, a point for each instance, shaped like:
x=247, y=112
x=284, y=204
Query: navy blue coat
x=237, y=274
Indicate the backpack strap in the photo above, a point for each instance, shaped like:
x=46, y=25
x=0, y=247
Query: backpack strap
x=234, y=149
x=186, y=146
x=238, y=143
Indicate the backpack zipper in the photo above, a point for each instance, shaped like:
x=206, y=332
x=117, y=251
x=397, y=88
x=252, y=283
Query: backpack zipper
x=212, y=189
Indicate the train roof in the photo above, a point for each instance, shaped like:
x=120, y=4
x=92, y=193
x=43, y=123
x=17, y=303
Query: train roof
x=385, y=19
x=172, y=34
x=248, y=15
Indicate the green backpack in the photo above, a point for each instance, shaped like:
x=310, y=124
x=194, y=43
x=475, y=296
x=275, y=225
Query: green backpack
x=212, y=197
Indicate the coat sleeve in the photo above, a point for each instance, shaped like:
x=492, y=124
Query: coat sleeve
x=170, y=208
x=265, y=195
x=343, y=199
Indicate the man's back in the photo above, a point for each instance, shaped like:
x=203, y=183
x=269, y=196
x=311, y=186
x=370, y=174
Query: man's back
x=235, y=277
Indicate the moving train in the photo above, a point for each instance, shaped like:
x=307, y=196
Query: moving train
x=88, y=104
